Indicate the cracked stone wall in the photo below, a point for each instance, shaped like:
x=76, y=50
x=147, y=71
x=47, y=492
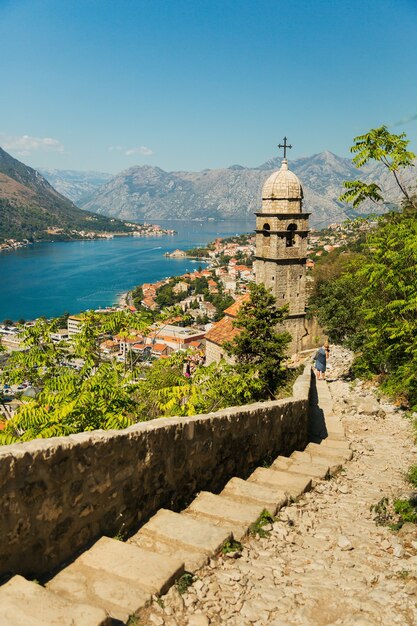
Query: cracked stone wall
x=58, y=495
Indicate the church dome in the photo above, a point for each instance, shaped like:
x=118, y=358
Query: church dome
x=282, y=185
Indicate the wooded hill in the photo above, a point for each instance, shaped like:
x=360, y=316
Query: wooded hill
x=30, y=208
x=366, y=298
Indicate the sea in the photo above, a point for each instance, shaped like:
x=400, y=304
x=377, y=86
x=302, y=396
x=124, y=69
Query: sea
x=50, y=279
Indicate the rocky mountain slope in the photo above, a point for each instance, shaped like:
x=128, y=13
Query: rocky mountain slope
x=73, y=184
x=151, y=193
x=30, y=208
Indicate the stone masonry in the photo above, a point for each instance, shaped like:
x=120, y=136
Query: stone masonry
x=325, y=561
x=281, y=249
x=59, y=495
x=115, y=580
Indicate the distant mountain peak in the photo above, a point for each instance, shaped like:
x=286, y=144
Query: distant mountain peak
x=151, y=193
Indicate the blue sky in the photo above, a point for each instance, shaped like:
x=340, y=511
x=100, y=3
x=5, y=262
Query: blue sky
x=194, y=84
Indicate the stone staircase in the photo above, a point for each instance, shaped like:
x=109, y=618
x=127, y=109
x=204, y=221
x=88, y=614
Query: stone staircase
x=113, y=579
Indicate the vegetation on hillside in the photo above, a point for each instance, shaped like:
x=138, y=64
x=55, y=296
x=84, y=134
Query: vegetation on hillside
x=30, y=207
x=259, y=347
x=103, y=393
x=32, y=221
x=367, y=299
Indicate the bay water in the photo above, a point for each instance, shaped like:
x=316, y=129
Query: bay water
x=52, y=278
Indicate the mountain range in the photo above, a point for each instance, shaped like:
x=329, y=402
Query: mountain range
x=30, y=208
x=76, y=185
x=35, y=209
x=150, y=193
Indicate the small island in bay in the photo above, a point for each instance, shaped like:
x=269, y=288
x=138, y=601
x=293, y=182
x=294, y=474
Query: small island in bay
x=177, y=254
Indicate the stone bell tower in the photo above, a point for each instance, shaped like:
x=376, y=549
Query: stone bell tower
x=281, y=247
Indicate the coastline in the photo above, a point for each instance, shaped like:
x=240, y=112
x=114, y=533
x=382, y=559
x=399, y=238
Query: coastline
x=122, y=299
x=96, y=275
x=147, y=230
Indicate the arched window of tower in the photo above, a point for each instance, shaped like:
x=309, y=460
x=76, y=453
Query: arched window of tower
x=266, y=228
x=290, y=236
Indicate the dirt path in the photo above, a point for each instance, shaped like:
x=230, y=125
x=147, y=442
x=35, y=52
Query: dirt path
x=325, y=561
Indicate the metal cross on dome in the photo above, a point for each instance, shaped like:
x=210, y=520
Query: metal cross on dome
x=285, y=146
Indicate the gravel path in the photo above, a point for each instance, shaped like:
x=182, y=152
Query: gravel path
x=325, y=561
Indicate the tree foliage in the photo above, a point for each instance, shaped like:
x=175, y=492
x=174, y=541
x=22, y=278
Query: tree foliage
x=106, y=394
x=368, y=299
x=381, y=146
x=167, y=392
x=259, y=348
x=333, y=299
x=97, y=395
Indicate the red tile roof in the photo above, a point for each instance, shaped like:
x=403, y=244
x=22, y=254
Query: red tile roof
x=159, y=347
x=222, y=331
x=234, y=308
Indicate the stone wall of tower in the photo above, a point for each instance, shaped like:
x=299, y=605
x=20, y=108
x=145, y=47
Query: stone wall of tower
x=286, y=281
x=299, y=332
x=281, y=252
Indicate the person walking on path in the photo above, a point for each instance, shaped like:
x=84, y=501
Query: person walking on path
x=321, y=357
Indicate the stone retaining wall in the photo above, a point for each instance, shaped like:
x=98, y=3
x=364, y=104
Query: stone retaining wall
x=58, y=495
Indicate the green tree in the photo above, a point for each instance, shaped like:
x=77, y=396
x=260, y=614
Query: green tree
x=41, y=358
x=137, y=296
x=100, y=395
x=200, y=285
x=210, y=389
x=380, y=146
x=370, y=303
x=74, y=402
x=259, y=347
x=388, y=301
x=333, y=300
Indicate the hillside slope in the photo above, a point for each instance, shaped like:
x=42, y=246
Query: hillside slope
x=74, y=184
x=30, y=208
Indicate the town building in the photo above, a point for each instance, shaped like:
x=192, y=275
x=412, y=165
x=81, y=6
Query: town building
x=175, y=337
x=74, y=324
x=223, y=331
x=59, y=335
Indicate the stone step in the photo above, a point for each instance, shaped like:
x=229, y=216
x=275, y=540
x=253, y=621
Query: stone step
x=316, y=448
x=335, y=443
x=291, y=484
x=193, y=560
x=335, y=436
x=223, y=511
x=295, y=466
x=190, y=539
x=334, y=426
x=323, y=390
x=25, y=603
x=117, y=577
x=332, y=463
x=243, y=491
